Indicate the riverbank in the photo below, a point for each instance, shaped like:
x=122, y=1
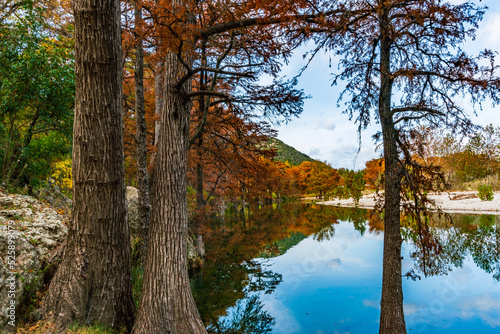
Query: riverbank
x=452, y=202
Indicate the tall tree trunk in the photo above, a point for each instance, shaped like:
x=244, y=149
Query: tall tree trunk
x=203, y=110
x=159, y=78
x=392, y=319
x=92, y=283
x=200, y=199
x=158, y=74
x=144, y=205
x=167, y=305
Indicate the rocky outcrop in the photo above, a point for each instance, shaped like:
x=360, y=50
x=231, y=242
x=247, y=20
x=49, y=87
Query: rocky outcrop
x=132, y=210
x=29, y=232
x=34, y=233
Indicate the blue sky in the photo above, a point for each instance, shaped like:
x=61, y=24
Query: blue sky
x=326, y=134
x=334, y=286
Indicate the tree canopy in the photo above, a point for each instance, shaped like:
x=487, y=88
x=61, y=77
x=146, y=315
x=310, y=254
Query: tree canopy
x=36, y=97
x=404, y=65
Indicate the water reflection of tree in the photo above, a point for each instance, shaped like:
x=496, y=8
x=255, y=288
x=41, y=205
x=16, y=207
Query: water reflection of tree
x=484, y=245
x=219, y=287
x=247, y=317
x=443, y=242
x=230, y=278
x=445, y=246
x=320, y=221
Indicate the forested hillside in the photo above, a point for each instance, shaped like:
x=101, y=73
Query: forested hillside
x=286, y=152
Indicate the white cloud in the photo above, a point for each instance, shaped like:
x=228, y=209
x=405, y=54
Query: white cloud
x=348, y=156
x=314, y=152
x=328, y=124
x=487, y=34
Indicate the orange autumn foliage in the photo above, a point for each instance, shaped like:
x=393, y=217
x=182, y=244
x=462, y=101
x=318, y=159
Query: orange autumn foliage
x=374, y=173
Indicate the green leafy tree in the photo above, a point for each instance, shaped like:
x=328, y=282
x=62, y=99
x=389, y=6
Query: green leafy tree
x=485, y=192
x=478, y=157
x=355, y=184
x=36, y=98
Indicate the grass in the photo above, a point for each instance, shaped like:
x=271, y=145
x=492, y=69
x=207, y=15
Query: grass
x=46, y=327
x=137, y=274
x=95, y=329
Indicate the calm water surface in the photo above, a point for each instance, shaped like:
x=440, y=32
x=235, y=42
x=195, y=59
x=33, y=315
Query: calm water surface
x=314, y=269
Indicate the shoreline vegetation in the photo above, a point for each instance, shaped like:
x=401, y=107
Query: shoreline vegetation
x=466, y=202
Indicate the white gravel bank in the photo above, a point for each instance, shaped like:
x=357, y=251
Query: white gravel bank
x=453, y=202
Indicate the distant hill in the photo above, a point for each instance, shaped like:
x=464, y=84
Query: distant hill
x=283, y=245
x=285, y=152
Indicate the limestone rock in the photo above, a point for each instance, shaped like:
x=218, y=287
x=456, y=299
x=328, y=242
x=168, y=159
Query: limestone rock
x=39, y=231
x=132, y=209
x=32, y=230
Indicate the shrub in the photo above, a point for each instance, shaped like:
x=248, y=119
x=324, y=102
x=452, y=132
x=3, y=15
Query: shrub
x=485, y=192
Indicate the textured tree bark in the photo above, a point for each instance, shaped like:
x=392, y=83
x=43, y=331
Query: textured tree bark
x=167, y=305
x=158, y=73
x=200, y=199
x=159, y=68
x=392, y=319
x=144, y=205
x=92, y=283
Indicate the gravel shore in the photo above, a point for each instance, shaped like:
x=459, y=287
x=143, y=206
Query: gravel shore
x=453, y=202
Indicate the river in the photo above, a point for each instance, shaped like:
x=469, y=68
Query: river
x=303, y=268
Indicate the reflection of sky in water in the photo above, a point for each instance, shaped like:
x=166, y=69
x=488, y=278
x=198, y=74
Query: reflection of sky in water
x=334, y=286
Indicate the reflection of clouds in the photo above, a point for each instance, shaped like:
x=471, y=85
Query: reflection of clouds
x=463, y=276
x=327, y=253
x=486, y=303
x=347, y=236
x=335, y=259
x=442, y=313
x=357, y=262
x=462, y=300
x=285, y=319
x=407, y=263
x=411, y=308
x=372, y=303
x=375, y=235
x=485, y=306
x=334, y=264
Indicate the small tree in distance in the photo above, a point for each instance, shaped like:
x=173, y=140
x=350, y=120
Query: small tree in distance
x=411, y=49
